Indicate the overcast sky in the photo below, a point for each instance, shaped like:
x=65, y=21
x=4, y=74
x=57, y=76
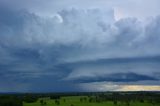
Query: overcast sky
x=79, y=45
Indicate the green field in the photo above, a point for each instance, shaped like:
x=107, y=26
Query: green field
x=75, y=101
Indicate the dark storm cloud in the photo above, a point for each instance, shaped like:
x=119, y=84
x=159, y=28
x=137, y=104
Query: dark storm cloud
x=115, y=70
x=118, y=77
x=77, y=45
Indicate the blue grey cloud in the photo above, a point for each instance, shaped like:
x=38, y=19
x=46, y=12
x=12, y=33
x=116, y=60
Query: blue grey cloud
x=74, y=46
x=124, y=8
x=117, y=77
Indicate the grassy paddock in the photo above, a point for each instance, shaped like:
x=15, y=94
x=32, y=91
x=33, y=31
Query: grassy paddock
x=75, y=101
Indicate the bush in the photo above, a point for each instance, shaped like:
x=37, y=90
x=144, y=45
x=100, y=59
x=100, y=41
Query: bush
x=10, y=101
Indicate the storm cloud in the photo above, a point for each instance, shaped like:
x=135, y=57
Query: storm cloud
x=76, y=46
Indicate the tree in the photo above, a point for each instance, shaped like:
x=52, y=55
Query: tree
x=71, y=105
x=57, y=102
x=45, y=103
x=115, y=102
x=41, y=101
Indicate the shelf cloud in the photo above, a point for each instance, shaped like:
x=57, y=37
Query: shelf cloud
x=76, y=45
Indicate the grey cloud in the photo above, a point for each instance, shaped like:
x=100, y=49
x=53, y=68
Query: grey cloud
x=124, y=8
x=118, y=77
x=115, y=70
x=32, y=46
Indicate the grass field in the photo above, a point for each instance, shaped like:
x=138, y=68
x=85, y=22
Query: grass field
x=75, y=101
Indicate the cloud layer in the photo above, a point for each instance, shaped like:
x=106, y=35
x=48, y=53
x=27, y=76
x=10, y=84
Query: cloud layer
x=76, y=46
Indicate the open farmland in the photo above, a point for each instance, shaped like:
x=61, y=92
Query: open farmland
x=85, y=101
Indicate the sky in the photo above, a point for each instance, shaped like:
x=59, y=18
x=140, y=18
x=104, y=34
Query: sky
x=79, y=45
